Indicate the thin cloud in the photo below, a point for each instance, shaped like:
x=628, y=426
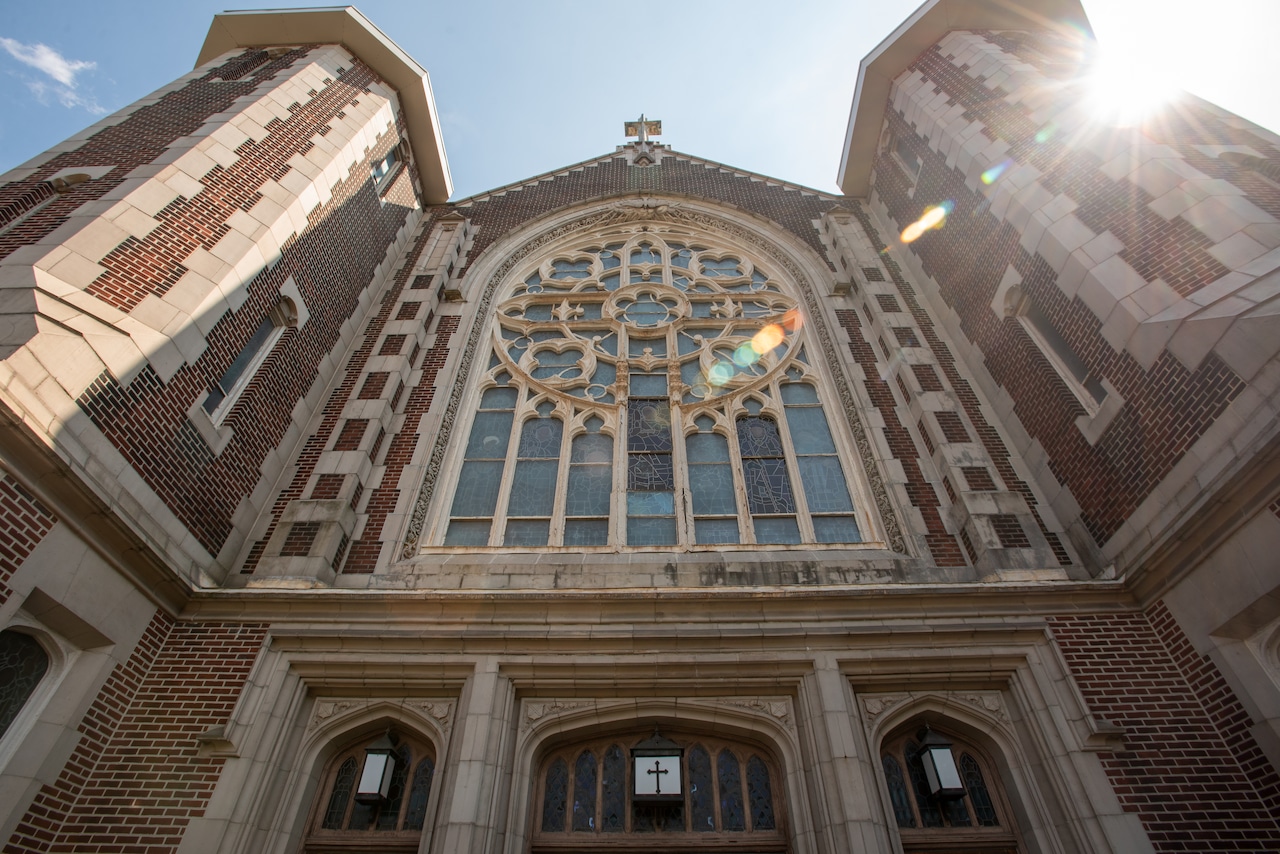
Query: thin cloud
x=63, y=71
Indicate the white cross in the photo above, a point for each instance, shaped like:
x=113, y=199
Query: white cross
x=642, y=127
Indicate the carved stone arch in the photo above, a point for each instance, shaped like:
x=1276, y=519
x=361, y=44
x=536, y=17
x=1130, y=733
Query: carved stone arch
x=791, y=255
x=765, y=722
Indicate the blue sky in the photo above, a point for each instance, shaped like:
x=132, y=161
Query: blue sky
x=524, y=87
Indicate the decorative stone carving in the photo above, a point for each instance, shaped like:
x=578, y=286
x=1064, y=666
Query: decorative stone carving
x=988, y=701
x=536, y=710
x=441, y=711
x=877, y=705
x=778, y=708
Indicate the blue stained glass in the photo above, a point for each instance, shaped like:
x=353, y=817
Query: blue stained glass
x=586, y=532
x=691, y=375
x=650, y=504
x=712, y=488
x=588, y=490
x=609, y=256
x=701, y=796
x=606, y=344
x=898, y=792
x=343, y=783
x=644, y=254
x=732, y=816
x=553, y=364
x=555, y=797
x=758, y=437
x=389, y=812
x=713, y=531
x=540, y=438
x=468, y=533
x=533, y=488
x=613, y=791
x=977, y=789
x=655, y=531
x=416, y=814
x=637, y=346
x=527, y=532
x=490, y=433
x=650, y=473
x=722, y=267
x=592, y=448
x=809, y=431
x=680, y=257
x=498, y=398
x=836, y=529
x=570, y=269
x=649, y=385
x=686, y=345
x=759, y=795
x=23, y=663
x=478, y=486
x=929, y=814
x=610, y=283
x=768, y=486
x=590, y=311
x=584, y=792
x=648, y=425
x=707, y=448
x=799, y=393
x=824, y=485
x=781, y=530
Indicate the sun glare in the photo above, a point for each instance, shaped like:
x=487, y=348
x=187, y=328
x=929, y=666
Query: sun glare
x=1123, y=89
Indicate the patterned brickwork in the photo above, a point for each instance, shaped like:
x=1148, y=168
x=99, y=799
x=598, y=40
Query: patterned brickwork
x=328, y=486
x=337, y=400
x=1189, y=767
x=331, y=261
x=366, y=551
x=987, y=433
x=953, y=429
x=792, y=209
x=24, y=521
x=943, y=546
x=147, y=780
x=139, y=139
x=978, y=478
x=1166, y=408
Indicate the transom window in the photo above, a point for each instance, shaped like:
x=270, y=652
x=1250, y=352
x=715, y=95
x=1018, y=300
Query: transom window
x=977, y=821
x=731, y=796
x=650, y=389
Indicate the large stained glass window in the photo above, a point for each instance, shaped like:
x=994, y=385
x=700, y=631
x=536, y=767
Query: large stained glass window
x=650, y=389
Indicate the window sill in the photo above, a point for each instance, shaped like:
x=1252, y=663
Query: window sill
x=215, y=434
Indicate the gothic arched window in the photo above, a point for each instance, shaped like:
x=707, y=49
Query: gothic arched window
x=341, y=822
x=583, y=798
x=23, y=663
x=648, y=388
x=979, y=820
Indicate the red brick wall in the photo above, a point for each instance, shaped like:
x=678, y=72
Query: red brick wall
x=24, y=521
x=1190, y=768
x=1167, y=407
x=331, y=261
x=135, y=779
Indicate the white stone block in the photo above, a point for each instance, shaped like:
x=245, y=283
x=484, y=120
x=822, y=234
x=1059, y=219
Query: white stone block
x=1103, y=247
x=96, y=239
x=1237, y=250
x=1062, y=238
x=76, y=270
x=1107, y=284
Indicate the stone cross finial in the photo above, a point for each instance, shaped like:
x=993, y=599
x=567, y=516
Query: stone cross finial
x=642, y=127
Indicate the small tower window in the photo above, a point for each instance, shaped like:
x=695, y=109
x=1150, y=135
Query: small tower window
x=224, y=392
x=23, y=663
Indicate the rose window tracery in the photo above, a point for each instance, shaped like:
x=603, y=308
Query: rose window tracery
x=671, y=401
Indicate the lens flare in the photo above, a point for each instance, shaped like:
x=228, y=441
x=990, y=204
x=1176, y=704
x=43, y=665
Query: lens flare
x=767, y=338
x=1046, y=133
x=720, y=373
x=1123, y=89
x=934, y=217
x=745, y=356
x=990, y=176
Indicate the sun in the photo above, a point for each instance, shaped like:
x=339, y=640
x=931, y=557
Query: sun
x=1123, y=89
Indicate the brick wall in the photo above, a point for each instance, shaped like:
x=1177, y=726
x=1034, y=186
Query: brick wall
x=1190, y=768
x=135, y=779
x=332, y=260
x=1167, y=406
x=24, y=521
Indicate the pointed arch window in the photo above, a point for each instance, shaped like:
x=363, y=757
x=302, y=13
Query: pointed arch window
x=583, y=798
x=23, y=664
x=980, y=820
x=342, y=822
x=677, y=373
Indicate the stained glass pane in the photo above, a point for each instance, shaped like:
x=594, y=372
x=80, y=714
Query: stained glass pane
x=809, y=431
x=586, y=532
x=570, y=269
x=707, y=448
x=389, y=812
x=647, y=347
x=416, y=814
x=592, y=448
x=672, y=817
x=977, y=788
x=555, y=796
x=712, y=487
x=650, y=504
x=758, y=437
x=701, y=797
x=588, y=492
x=343, y=783
x=824, y=484
x=712, y=531
x=836, y=529
x=724, y=267
x=898, y=792
x=527, y=532
x=533, y=488
x=768, y=486
x=732, y=816
x=649, y=385
x=540, y=437
x=780, y=530
x=759, y=795
x=930, y=816
x=609, y=256
x=648, y=425
x=23, y=663
x=614, y=791
x=644, y=254
x=553, y=364
x=478, y=486
x=799, y=393
x=651, y=531
x=489, y=434
x=584, y=791
x=468, y=533
x=650, y=472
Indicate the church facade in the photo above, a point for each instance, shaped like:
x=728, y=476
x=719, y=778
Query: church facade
x=647, y=504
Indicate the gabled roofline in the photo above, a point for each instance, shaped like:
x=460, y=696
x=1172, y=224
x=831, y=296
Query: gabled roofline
x=619, y=152
x=345, y=25
x=925, y=27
